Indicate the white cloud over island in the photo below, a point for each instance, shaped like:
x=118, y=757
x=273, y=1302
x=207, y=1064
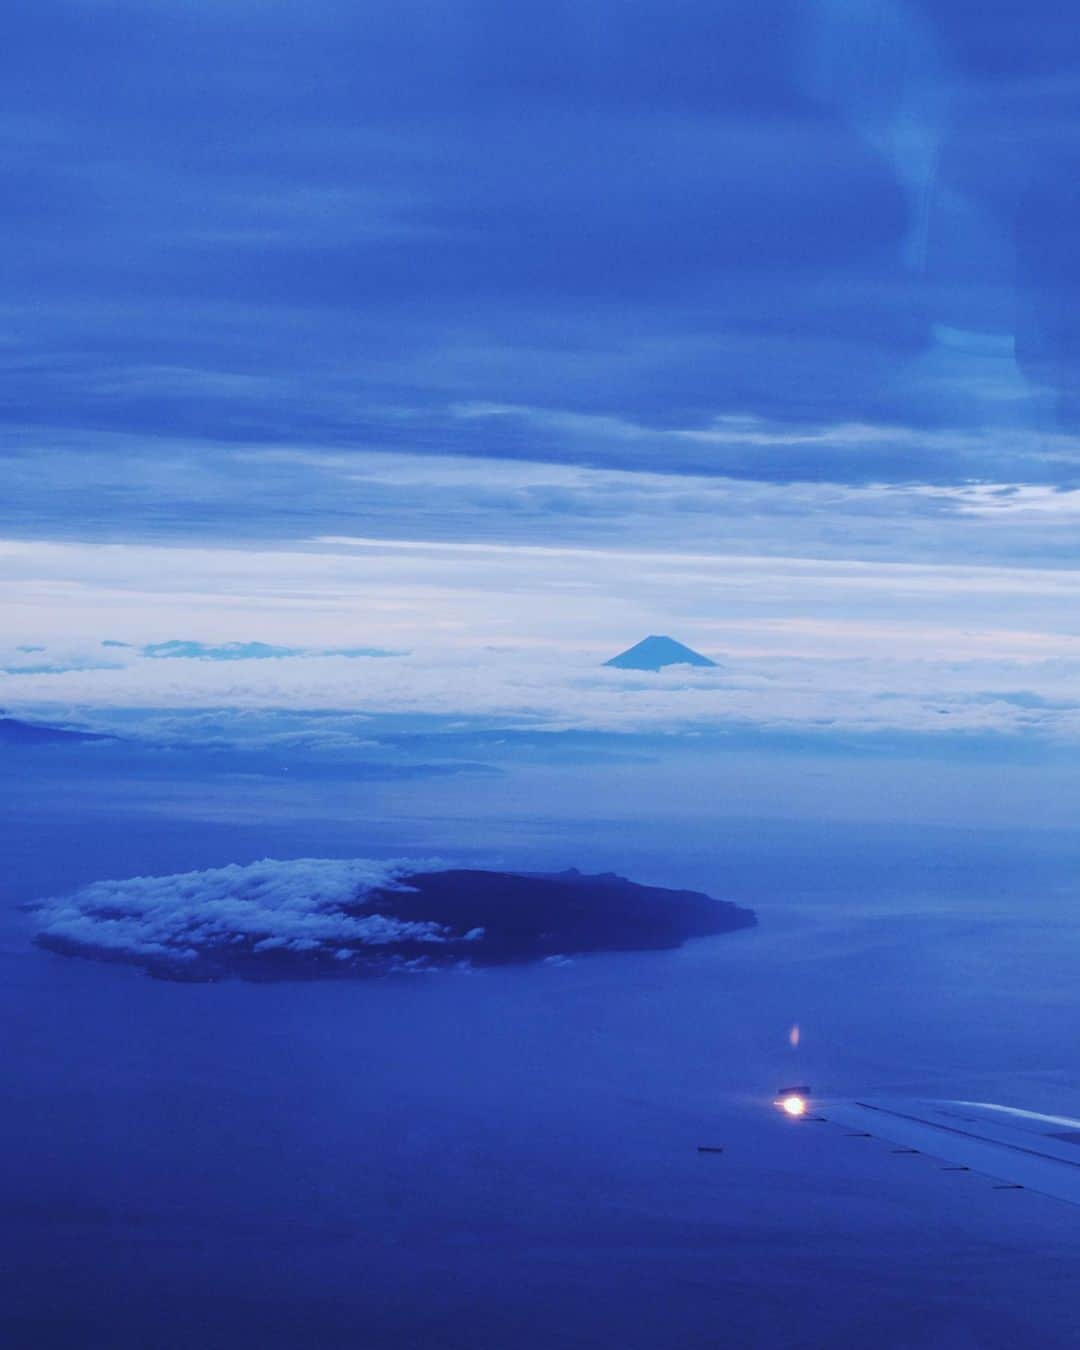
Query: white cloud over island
x=307, y=905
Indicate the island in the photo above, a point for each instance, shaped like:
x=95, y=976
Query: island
x=333, y=918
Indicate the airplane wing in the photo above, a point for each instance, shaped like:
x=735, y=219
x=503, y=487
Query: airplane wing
x=1017, y=1148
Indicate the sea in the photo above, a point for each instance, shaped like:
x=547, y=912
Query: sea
x=511, y=1159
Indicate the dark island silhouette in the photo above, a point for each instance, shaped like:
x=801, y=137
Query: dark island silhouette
x=423, y=920
x=655, y=652
x=526, y=916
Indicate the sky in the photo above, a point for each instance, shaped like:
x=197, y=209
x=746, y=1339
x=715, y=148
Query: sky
x=498, y=337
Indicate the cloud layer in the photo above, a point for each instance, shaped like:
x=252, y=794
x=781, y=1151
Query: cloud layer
x=812, y=242
x=312, y=907
x=516, y=636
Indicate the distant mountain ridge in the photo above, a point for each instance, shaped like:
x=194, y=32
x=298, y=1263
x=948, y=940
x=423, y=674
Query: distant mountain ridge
x=657, y=651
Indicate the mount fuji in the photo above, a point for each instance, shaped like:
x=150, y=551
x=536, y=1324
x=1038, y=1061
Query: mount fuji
x=656, y=652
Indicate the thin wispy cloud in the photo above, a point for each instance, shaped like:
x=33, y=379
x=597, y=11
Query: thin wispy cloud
x=315, y=907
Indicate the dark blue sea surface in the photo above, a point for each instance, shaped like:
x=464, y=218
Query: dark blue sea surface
x=508, y=1158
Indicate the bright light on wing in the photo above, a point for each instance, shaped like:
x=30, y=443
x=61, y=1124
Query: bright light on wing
x=793, y=1101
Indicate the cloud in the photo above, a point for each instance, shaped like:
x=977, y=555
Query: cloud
x=188, y=650
x=311, y=906
x=1002, y=684
x=336, y=232
x=266, y=498
x=516, y=635
x=378, y=366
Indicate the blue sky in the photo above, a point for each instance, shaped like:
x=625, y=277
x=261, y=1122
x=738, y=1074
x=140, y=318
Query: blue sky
x=642, y=299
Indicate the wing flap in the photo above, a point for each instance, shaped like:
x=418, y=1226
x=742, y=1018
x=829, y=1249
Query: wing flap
x=1020, y=1148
